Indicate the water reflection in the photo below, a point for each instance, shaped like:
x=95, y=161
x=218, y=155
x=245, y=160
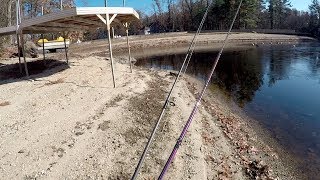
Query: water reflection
x=279, y=63
x=239, y=73
x=277, y=85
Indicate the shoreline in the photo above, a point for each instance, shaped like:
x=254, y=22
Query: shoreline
x=92, y=130
x=262, y=145
x=166, y=41
x=289, y=163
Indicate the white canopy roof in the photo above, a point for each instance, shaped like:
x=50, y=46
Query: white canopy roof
x=78, y=18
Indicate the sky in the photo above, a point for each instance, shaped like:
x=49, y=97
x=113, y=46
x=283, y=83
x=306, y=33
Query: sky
x=146, y=5
x=302, y=5
x=142, y=5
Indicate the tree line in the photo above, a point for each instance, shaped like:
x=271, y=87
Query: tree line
x=185, y=15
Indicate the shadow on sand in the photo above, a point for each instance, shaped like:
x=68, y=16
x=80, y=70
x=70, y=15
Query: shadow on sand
x=37, y=69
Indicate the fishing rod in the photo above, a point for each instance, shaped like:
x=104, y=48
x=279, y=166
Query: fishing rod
x=137, y=170
x=195, y=108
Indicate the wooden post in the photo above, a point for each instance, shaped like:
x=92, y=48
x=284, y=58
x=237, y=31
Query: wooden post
x=61, y=7
x=110, y=48
x=24, y=54
x=65, y=47
x=129, y=51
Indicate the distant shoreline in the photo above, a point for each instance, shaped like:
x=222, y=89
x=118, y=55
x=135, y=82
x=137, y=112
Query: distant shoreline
x=166, y=41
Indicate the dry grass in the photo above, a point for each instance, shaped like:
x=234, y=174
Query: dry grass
x=6, y=103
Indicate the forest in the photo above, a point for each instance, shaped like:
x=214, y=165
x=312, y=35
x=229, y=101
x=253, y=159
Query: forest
x=185, y=15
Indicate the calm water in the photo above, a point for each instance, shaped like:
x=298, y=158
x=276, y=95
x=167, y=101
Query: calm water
x=277, y=85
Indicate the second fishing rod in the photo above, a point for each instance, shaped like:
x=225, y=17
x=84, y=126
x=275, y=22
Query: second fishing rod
x=188, y=55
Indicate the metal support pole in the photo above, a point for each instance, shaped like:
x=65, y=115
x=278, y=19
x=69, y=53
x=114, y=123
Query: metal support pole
x=65, y=47
x=17, y=34
x=24, y=54
x=110, y=49
x=129, y=51
x=17, y=14
x=124, y=3
x=43, y=50
x=112, y=32
x=19, y=53
x=42, y=37
x=20, y=13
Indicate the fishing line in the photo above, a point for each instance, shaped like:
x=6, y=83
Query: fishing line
x=189, y=58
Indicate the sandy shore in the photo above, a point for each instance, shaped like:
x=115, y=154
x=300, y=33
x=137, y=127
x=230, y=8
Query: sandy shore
x=74, y=125
x=68, y=122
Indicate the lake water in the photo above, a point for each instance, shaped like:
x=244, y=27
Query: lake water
x=277, y=85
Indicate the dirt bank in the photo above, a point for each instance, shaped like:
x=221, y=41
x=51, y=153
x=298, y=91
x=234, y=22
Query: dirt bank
x=163, y=43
